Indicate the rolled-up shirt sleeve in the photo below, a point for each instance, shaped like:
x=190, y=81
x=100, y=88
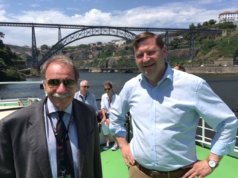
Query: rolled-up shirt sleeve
x=218, y=116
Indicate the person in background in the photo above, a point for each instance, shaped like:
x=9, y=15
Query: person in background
x=165, y=107
x=179, y=67
x=85, y=95
x=107, y=100
x=56, y=137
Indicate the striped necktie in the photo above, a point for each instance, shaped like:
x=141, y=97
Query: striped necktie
x=64, y=153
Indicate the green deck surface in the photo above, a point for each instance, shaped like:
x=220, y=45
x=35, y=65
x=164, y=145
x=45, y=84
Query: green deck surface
x=113, y=165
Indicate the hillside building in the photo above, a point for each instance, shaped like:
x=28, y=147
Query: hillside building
x=229, y=16
x=119, y=43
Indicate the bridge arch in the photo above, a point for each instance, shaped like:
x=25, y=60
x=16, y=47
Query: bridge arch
x=85, y=33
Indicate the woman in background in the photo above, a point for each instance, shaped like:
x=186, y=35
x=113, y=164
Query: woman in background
x=106, y=101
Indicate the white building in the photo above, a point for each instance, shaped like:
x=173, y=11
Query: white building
x=229, y=16
x=119, y=42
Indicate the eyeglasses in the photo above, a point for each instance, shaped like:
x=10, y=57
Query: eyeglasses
x=68, y=83
x=107, y=89
x=85, y=86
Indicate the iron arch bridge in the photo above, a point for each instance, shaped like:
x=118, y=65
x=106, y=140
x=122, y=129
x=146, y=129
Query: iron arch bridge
x=85, y=33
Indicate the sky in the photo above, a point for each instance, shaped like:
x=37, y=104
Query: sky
x=131, y=13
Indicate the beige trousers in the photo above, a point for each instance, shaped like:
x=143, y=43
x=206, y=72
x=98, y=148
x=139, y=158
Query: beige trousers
x=135, y=172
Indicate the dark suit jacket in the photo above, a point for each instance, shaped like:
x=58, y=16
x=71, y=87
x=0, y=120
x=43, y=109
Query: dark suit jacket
x=23, y=145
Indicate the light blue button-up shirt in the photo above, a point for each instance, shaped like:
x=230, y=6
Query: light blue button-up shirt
x=51, y=141
x=88, y=99
x=165, y=119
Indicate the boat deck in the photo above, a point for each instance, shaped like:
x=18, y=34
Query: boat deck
x=5, y=113
x=114, y=167
x=7, y=106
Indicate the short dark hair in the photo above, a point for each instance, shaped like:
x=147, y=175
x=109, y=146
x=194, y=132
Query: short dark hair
x=180, y=67
x=61, y=59
x=108, y=83
x=146, y=35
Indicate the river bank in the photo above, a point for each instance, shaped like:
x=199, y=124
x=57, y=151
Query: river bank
x=189, y=69
x=212, y=69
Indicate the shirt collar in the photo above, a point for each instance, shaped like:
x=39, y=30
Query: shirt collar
x=53, y=109
x=167, y=75
x=80, y=94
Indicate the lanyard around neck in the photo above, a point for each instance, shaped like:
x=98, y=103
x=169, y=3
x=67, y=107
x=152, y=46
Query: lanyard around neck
x=51, y=121
x=83, y=97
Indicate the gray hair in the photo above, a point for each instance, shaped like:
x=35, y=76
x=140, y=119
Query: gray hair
x=59, y=59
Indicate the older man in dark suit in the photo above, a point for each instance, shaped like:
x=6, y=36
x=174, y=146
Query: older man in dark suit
x=36, y=142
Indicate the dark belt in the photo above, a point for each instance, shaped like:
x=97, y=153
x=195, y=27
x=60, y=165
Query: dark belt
x=162, y=174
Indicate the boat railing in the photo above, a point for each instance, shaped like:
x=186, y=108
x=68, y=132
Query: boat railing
x=205, y=134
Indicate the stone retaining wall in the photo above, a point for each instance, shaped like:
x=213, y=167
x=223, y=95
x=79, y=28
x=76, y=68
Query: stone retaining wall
x=213, y=70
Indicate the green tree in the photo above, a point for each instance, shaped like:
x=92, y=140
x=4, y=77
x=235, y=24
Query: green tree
x=205, y=24
x=8, y=72
x=192, y=26
x=2, y=64
x=212, y=22
x=2, y=35
x=235, y=56
x=226, y=25
x=44, y=47
x=199, y=25
x=174, y=44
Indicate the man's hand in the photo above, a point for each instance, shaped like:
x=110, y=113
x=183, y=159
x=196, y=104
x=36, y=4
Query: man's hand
x=107, y=121
x=103, y=120
x=199, y=169
x=126, y=151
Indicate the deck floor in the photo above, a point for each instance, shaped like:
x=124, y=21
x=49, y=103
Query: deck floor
x=113, y=165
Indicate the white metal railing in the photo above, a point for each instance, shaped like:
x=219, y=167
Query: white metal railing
x=205, y=140
x=21, y=82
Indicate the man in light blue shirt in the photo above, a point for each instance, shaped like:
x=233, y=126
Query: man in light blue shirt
x=86, y=96
x=165, y=107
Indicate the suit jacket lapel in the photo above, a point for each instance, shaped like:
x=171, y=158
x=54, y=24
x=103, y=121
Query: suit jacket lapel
x=37, y=139
x=82, y=136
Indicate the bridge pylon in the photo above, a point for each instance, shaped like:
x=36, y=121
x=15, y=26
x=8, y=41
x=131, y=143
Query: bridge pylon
x=34, y=49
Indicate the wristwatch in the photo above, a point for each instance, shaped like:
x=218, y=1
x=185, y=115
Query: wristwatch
x=212, y=163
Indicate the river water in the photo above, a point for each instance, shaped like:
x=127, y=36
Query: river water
x=226, y=86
